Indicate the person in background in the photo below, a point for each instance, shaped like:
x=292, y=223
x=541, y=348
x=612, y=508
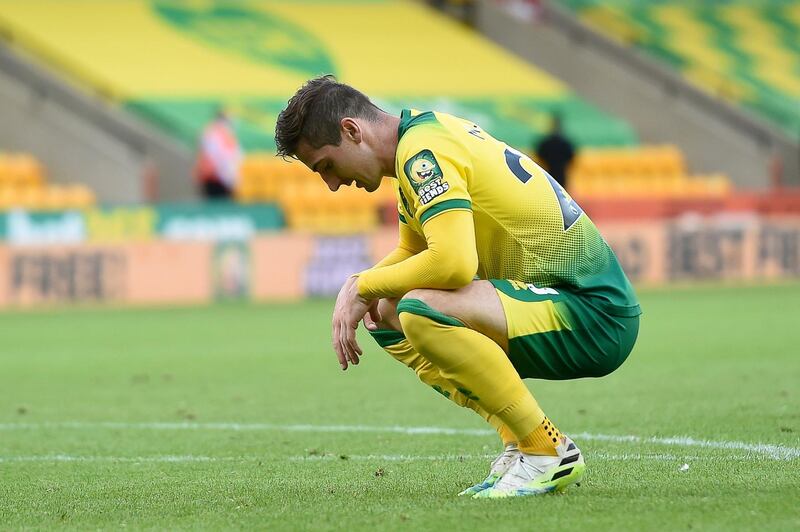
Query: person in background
x=219, y=157
x=555, y=152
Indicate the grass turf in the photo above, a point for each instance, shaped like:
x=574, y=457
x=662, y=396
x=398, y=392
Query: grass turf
x=152, y=396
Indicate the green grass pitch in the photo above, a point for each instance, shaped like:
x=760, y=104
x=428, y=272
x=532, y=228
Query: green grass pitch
x=238, y=416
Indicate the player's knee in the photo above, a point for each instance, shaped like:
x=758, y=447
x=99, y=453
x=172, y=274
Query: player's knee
x=407, y=313
x=416, y=326
x=387, y=309
x=409, y=323
x=431, y=297
x=417, y=317
x=421, y=294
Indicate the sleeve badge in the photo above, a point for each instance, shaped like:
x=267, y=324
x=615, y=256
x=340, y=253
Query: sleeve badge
x=425, y=176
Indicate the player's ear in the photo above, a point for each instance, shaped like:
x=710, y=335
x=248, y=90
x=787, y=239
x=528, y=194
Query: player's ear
x=351, y=130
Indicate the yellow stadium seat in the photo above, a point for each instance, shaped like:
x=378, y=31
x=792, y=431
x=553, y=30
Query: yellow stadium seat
x=247, y=182
x=638, y=186
x=577, y=172
x=671, y=160
x=625, y=163
x=602, y=164
x=697, y=188
x=657, y=171
x=297, y=219
x=580, y=162
x=32, y=198
x=54, y=197
x=249, y=172
x=584, y=189
x=247, y=192
x=269, y=188
x=579, y=189
x=603, y=187
x=79, y=196
x=718, y=185
x=385, y=192
x=5, y=170
x=661, y=185
x=24, y=170
x=8, y=198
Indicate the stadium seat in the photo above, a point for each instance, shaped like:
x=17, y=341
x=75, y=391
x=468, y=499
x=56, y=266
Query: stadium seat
x=744, y=51
x=646, y=171
x=23, y=184
x=305, y=199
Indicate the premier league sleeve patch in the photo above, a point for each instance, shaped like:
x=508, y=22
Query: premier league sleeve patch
x=425, y=176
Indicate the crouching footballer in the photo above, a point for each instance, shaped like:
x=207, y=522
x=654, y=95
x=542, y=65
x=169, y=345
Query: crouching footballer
x=498, y=275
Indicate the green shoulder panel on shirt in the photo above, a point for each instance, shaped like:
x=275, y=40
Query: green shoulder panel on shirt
x=407, y=121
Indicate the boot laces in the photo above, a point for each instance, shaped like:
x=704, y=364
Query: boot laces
x=506, y=459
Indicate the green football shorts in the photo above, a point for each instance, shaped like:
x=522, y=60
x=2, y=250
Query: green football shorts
x=557, y=334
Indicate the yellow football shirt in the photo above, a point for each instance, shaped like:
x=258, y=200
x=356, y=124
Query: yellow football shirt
x=527, y=228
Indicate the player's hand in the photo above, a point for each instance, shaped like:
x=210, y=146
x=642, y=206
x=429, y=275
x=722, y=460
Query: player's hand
x=372, y=317
x=350, y=308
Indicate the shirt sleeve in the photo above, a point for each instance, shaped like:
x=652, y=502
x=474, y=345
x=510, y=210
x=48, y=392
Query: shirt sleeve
x=449, y=261
x=434, y=176
x=408, y=245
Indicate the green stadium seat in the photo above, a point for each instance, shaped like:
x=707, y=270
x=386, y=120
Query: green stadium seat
x=744, y=51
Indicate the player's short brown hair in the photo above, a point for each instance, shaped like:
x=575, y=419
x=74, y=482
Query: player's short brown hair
x=315, y=112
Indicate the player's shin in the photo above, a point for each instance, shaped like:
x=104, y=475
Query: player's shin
x=398, y=346
x=478, y=368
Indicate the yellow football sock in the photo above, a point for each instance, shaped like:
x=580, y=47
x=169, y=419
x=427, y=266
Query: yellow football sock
x=396, y=344
x=542, y=440
x=473, y=363
x=506, y=435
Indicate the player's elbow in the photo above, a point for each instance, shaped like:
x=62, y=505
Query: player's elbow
x=461, y=278
x=461, y=270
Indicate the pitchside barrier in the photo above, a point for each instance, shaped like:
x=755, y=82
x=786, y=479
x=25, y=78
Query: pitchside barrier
x=187, y=254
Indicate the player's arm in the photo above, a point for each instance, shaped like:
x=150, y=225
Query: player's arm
x=449, y=262
x=433, y=188
x=408, y=245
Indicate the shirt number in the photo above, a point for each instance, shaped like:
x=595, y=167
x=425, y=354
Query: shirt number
x=570, y=211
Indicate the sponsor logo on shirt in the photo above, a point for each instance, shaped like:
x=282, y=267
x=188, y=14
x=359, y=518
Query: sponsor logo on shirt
x=421, y=169
x=426, y=176
x=431, y=190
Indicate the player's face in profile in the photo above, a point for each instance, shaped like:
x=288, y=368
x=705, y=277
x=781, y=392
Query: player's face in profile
x=349, y=163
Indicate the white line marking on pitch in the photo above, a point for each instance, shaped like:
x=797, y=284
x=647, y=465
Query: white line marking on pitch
x=777, y=452
x=246, y=427
x=125, y=459
x=461, y=457
x=774, y=451
x=54, y=458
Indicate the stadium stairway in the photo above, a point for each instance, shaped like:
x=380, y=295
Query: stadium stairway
x=79, y=137
x=664, y=107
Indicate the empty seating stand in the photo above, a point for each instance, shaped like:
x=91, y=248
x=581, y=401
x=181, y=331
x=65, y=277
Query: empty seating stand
x=306, y=201
x=641, y=172
x=23, y=185
x=745, y=51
